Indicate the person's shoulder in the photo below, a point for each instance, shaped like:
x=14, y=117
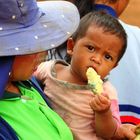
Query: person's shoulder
x=46, y=64
x=130, y=27
x=43, y=69
x=110, y=90
x=133, y=33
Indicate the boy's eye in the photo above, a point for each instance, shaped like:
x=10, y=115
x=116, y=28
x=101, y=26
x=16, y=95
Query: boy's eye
x=91, y=48
x=108, y=57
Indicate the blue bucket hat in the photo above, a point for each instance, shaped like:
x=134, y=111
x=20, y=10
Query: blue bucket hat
x=27, y=27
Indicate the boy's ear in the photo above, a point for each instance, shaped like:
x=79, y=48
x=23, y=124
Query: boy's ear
x=70, y=46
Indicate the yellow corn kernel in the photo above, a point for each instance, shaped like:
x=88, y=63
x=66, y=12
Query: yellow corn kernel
x=94, y=81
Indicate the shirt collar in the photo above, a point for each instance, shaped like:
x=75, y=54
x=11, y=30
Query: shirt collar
x=10, y=95
x=106, y=8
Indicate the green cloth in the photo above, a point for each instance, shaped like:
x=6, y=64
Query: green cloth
x=31, y=118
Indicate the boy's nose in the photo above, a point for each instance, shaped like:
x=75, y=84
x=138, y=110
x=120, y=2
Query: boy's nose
x=96, y=58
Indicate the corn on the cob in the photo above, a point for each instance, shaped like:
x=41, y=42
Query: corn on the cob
x=137, y=133
x=94, y=81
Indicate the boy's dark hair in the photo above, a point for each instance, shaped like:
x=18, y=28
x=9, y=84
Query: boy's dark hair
x=108, y=23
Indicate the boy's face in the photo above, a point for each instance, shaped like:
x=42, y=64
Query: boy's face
x=25, y=65
x=96, y=49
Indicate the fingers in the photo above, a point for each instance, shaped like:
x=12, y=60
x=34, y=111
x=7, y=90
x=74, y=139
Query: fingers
x=100, y=103
x=130, y=127
x=128, y=131
x=105, y=95
x=130, y=135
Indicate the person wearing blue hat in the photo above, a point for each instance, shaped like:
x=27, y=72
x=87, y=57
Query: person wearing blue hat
x=27, y=30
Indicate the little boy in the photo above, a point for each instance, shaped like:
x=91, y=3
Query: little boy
x=100, y=43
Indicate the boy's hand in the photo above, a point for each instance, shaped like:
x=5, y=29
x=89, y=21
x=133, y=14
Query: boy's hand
x=100, y=103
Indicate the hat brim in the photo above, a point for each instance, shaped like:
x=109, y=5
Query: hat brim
x=59, y=22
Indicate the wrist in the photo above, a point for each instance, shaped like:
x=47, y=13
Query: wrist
x=105, y=111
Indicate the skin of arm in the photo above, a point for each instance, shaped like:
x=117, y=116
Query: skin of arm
x=125, y=131
x=105, y=124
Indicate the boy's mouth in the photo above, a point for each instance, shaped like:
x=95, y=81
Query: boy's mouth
x=92, y=67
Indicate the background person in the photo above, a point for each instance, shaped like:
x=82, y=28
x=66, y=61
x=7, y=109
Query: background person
x=128, y=70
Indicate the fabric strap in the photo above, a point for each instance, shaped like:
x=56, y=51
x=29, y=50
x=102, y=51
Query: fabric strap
x=106, y=8
x=5, y=69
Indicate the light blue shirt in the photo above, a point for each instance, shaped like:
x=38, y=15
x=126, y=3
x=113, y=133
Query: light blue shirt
x=125, y=77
